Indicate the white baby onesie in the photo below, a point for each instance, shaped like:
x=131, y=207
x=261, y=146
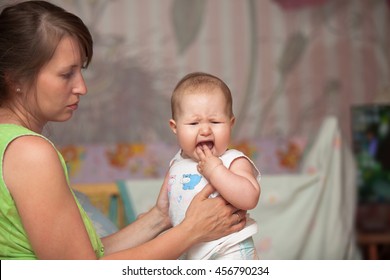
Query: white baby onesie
x=184, y=183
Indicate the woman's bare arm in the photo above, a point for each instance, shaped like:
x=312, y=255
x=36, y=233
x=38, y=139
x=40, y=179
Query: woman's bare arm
x=35, y=178
x=50, y=216
x=206, y=219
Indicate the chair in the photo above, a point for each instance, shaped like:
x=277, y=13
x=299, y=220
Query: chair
x=107, y=198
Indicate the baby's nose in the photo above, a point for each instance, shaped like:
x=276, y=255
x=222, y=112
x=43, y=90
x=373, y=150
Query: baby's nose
x=205, y=129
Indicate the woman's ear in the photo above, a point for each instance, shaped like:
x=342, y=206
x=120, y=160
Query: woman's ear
x=11, y=84
x=172, y=124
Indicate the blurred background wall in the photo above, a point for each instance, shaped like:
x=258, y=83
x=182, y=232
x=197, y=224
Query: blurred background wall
x=288, y=63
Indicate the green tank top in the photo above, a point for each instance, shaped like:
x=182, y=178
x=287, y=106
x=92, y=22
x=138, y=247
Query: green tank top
x=14, y=243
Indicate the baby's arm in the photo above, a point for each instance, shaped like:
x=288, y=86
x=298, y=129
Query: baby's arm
x=238, y=185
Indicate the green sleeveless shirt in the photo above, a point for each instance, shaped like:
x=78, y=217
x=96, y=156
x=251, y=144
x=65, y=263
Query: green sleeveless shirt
x=14, y=243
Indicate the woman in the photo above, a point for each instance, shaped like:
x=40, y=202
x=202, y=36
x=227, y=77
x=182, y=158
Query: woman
x=43, y=50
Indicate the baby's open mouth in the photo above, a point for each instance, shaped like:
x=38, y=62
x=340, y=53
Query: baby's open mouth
x=209, y=144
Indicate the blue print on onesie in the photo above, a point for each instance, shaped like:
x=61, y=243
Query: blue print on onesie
x=190, y=181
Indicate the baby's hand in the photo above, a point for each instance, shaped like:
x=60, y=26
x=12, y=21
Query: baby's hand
x=207, y=161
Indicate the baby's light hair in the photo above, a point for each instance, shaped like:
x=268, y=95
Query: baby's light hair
x=193, y=81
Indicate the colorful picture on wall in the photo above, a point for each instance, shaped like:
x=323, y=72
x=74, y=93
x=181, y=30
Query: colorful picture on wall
x=371, y=143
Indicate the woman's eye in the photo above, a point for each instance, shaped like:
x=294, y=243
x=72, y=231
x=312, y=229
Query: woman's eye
x=67, y=75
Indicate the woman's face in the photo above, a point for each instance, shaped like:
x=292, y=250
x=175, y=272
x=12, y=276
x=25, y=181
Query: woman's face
x=59, y=84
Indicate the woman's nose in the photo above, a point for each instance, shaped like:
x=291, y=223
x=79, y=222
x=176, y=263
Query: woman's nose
x=80, y=87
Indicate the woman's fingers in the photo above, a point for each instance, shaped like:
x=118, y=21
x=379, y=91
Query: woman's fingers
x=206, y=192
x=239, y=216
x=213, y=218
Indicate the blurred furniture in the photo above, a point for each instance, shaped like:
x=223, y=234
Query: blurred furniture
x=107, y=198
x=373, y=229
x=371, y=242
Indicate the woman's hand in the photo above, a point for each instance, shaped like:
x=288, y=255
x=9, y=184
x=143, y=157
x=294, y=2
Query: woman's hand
x=206, y=219
x=213, y=218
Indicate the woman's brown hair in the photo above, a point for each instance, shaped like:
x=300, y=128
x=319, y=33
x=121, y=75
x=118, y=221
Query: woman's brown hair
x=29, y=34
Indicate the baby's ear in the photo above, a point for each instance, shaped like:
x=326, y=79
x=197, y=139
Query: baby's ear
x=232, y=121
x=172, y=124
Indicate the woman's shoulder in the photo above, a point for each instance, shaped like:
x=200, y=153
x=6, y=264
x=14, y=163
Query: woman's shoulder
x=33, y=156
x=32, y=147
x=25, y=146
x=11, y=133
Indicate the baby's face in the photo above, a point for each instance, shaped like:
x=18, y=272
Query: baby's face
x=203, y=120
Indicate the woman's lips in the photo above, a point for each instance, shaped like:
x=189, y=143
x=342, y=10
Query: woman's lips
x=73, y=106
